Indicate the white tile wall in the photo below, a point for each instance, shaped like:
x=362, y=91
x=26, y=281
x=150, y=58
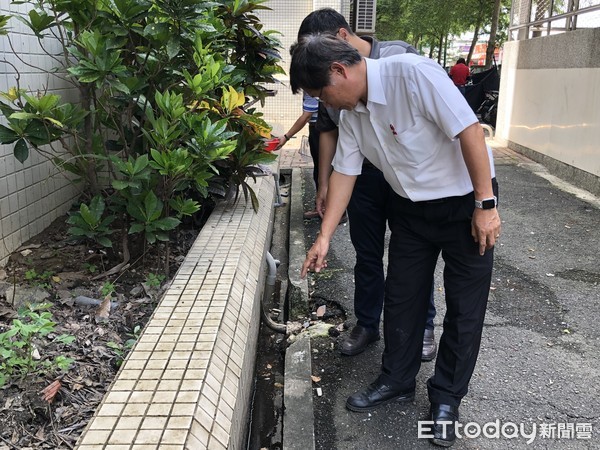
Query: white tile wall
x=282, y=110
x=32, y=194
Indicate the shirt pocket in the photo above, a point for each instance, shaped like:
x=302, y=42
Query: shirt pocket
x=415, y=144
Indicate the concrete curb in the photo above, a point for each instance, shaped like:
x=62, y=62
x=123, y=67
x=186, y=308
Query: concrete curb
x=298, y=287
x=298, y=418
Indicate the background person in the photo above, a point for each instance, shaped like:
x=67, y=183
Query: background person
x=310, y=108
x=460, y=73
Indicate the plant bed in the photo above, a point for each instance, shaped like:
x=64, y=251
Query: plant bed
x=88, y=341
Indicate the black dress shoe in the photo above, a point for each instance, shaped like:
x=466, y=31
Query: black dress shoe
x=429, y=346
x=444, y=434
x=358, y=340
x=377, y=394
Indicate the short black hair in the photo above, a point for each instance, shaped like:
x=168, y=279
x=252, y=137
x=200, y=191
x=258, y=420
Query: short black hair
x=312, y=57
x=461, y=61
x=324, y=20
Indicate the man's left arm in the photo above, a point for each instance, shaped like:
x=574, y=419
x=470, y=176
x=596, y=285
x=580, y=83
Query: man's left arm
x=485, y=226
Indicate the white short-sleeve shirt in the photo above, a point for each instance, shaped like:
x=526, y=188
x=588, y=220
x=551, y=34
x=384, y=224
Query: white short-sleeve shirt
x=408, y=129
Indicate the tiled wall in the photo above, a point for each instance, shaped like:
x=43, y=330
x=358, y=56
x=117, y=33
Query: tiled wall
x=282, y=110
x=32, y=194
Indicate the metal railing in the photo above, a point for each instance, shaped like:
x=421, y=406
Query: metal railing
x=535, y=18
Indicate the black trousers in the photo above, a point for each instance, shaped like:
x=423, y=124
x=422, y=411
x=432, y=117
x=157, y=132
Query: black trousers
x=367, y=214
x=420, y=231
x=313, y=145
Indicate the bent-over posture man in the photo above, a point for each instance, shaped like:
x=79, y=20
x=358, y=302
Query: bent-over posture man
x=404, y=114
x=367, y=209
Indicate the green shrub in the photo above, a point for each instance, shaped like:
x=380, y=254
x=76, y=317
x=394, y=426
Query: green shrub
x=165, y=115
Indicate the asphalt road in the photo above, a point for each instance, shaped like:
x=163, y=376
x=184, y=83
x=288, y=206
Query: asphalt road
x=536, y=382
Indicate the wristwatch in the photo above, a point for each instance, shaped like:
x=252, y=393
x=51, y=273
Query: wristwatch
x=486, y=203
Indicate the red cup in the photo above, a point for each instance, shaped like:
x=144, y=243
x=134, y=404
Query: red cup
x=271, y=144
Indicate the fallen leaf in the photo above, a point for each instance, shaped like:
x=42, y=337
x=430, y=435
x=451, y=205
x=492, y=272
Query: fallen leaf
x=56, y=279
x=315, y=379
x=103, y=311
x=7, y=313
x=50, y=391
x=321, y=310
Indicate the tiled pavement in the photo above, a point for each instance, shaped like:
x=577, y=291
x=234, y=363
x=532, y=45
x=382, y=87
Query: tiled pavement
x=187, y=382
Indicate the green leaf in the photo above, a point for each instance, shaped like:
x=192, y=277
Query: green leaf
x=136, y=228
x=7, y=136
x=87, y=215
x=64, y=339
x=167, y=223
x=21, y=150
x=119, y=185
x=23, y=116
x=104, y=241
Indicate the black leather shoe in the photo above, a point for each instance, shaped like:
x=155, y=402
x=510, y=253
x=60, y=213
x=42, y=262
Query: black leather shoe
x=358, y=340
x=429, y=346
x=444, y=434
x=377, y=394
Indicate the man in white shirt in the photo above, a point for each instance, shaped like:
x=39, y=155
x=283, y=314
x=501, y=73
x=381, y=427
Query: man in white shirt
x=367, y=209
x=404, y=114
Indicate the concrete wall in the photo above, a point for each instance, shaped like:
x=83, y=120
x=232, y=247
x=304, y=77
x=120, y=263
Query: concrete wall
x=549, y=105
x=32, y=194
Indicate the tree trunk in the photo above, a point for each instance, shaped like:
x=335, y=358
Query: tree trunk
x=473, y=42
x=489, y=53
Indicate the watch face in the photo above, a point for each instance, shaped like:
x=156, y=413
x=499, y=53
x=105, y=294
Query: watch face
x=488, y=204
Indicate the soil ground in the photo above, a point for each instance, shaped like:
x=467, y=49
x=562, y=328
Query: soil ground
x=60, y=270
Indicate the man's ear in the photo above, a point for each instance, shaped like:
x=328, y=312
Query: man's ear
x=338, y=68
x=343, y=34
